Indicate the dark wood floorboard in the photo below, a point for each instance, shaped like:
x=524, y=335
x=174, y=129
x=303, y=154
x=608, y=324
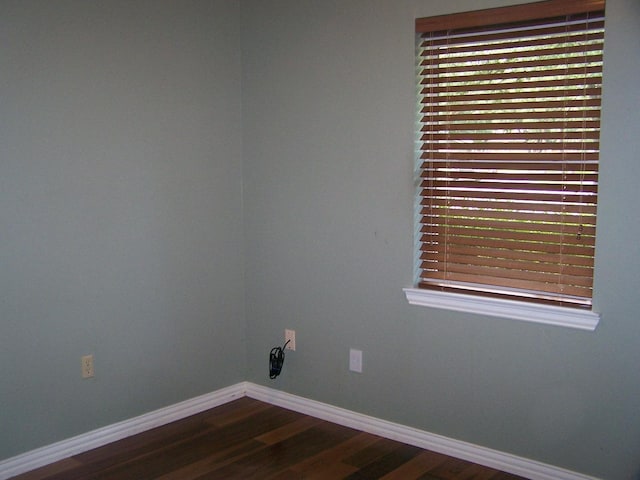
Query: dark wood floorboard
x=249, y=439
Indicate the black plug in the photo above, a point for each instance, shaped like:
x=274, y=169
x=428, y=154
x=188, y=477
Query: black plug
x=276, y=360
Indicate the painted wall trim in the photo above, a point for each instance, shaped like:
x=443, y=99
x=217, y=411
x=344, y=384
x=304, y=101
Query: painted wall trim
x=504, y=308
x=97, y=438
x=437, y=443
x=420, y=438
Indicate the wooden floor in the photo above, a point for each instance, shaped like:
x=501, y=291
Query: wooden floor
x=248, y=439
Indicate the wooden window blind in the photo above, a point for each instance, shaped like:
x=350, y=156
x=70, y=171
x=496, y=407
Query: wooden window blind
x=509, y=125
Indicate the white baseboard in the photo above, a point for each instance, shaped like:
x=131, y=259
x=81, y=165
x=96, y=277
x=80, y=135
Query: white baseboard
x=102, y=436
x=437, y=443
x=419, y=438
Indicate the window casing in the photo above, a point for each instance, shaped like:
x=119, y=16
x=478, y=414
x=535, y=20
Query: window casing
x=508, y=151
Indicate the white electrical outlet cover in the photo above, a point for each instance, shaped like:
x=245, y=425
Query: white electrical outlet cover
x=355, y=360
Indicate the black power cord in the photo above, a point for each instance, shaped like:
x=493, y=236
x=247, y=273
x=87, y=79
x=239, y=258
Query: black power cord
x=276, y=360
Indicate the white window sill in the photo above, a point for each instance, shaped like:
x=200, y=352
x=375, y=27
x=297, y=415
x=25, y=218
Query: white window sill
x=498, y=307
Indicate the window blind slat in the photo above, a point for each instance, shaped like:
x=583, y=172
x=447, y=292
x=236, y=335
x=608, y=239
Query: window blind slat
x=480, y=121
x=481, y=205
x=513, y=268
x=482, y=145
x=506, y=253
x=511, y=226
x=551, y=106
x=513, y=156
x=560, y=285
x=472, y=76
x=513, y=195
x=472, y=234
x=551, y=65
x=538, y=248
x=503, y=97
x=478, y=84
x=539, y=37
x=524, y=135
x=559, y=218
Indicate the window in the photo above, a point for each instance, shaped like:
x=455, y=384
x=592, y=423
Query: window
x=508, y=150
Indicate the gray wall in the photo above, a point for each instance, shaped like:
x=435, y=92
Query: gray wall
x=120, y=211
x=126, y=132
x=328, y=102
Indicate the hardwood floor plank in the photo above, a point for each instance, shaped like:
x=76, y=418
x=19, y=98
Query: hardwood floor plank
x=506, y=476
x=477, y=472
x=335, y=454
x=386, y=463
x=417, y=466
x=287, y=431
x=372, y=453
x=454, y=469
x=44, y=473
x=334, y=470
x=285, y=475
x=233, y=411
x=450, y=469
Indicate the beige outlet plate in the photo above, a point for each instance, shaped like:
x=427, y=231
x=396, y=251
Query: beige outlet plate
x=87, y=366
x=290, y=335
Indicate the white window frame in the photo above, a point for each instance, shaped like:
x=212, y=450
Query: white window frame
x=505, y=308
